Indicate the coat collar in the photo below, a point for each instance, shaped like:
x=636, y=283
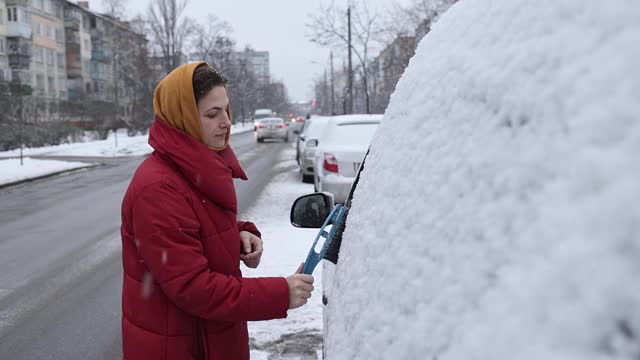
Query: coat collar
x=210, y=171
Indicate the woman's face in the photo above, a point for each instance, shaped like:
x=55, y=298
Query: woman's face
x=213, y=117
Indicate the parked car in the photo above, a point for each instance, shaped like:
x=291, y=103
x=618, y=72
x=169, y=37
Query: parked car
x=345, y=141
x=272, y=128
x=496, y=213
x=308, y=141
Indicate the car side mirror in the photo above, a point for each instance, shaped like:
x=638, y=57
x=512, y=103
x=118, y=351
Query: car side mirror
x=312, y=143
x=310, y=211
x=297, y=132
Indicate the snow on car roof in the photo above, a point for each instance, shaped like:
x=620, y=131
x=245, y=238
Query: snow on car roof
x=497, y=214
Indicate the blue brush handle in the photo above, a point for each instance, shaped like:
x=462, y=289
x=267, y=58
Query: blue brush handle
x=313, y=258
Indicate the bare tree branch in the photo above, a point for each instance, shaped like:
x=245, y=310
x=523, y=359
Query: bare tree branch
x=170, y=29
x=116, y=8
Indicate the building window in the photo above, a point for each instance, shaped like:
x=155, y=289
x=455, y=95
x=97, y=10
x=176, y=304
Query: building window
x=51, y=85
x=12, y=15
x=50, y=57
x=1, y=46
x=40, y=81
x=59, y=37
x=38, y=28
x=38, y=54
x=61, y=60
x=1, y=17
x=50, y=34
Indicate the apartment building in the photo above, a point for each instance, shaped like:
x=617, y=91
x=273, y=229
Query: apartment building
x=67, y=53
x=5, y=71
x=48, y=73
x=254, y=61
x=19, y=40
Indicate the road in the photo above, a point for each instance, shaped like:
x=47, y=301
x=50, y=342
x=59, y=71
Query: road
x=60, y=266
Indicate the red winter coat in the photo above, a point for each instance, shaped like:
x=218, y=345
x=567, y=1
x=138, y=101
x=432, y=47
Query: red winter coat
x=183, y=295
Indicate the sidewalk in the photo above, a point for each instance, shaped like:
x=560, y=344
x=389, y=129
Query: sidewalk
x=12, y=173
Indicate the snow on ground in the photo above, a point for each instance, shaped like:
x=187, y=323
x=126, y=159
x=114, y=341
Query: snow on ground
x=11, y=171
x=285, y=247
x=497, y=216
x=127, y=146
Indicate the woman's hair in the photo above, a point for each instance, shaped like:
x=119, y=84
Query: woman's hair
x=206, y=78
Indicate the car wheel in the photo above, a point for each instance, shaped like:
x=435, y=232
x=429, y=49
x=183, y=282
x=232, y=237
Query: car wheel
x=260, y=140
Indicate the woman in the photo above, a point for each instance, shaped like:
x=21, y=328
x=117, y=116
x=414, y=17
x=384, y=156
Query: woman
x=183, y=294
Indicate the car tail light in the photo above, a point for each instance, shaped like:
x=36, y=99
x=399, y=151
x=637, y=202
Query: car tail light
x=330, y=163
x=259, y=126
x=283, y=126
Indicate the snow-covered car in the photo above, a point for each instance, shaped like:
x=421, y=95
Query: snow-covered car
x=345, y=141
x=308, y=141
x=272, y=128
x=496, y=214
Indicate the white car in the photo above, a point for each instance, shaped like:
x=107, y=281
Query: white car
x=496, y=214
x=345, y=140
x=271, y=128
x=308, y=141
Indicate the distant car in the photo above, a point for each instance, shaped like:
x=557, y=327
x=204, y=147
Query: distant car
x=261, y=114
x=345, y=140
x=271, y=128
x=307, y=143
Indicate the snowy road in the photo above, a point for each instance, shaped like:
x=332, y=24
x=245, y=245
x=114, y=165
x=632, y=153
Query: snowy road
x=60, y=271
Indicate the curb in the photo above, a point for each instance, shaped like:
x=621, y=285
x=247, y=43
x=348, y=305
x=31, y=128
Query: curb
x=6, y=185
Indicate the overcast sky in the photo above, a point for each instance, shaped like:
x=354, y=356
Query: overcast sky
x=277, y=26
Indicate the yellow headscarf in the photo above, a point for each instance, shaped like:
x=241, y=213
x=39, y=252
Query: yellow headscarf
x=175, y=103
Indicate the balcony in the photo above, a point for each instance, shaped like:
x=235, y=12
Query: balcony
x=72, y=23
x=18, y=29
x=19, y=51
x=74, y=67
x=101, y=55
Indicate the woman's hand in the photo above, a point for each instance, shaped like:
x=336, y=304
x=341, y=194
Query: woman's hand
x=250, y=249
x=300, y=288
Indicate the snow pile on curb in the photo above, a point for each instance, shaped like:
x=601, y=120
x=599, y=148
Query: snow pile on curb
x=12, y=172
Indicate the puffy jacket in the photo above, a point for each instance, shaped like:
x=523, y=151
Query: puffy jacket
x=183, y=294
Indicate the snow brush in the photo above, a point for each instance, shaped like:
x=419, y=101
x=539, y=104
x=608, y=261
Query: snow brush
x=313, y=258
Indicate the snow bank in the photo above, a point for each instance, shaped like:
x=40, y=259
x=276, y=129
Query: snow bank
x=498, y=215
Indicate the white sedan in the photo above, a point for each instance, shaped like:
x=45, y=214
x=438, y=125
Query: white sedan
x=344, y=143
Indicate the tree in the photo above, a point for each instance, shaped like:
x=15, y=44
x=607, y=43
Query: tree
x=242, y=89
x=170, y=30
x=416, y=17
x=207, y=38
x=116, y=8
x=329, y=27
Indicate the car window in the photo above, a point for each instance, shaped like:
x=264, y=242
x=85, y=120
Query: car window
x=351, y=133
x=314, y=130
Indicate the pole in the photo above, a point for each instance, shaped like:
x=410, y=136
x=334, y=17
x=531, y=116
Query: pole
x=115, y=96
x=333, y=96
x=350, y=77
x=20, y=124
